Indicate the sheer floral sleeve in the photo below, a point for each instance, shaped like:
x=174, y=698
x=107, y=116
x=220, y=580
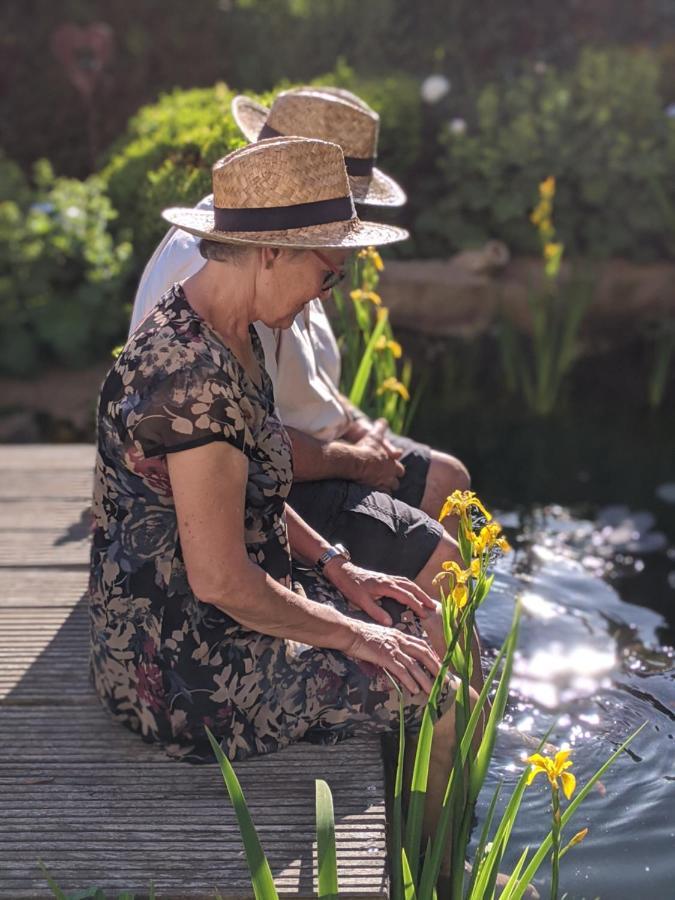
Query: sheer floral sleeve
x=187, y=408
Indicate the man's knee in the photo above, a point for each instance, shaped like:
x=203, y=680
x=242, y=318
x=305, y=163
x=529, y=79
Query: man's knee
x=449, y=473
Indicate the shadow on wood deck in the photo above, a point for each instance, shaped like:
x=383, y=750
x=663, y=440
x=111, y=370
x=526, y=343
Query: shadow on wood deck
x=90, y=799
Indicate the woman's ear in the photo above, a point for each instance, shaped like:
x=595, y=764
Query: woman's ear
x=269, y=256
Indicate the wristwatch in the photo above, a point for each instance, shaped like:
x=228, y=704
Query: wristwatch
x=331, y=553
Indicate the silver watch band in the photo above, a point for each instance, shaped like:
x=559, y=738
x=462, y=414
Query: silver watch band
x=331, y=553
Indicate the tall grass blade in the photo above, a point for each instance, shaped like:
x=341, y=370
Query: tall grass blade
x=397, y=812
x=53, y=886
x=486, y=749
x=482, y=843
x=433, y=860
x=409, y=892
x=418, y=792
x=261, y=875
x=325, y=840
x=366, y=364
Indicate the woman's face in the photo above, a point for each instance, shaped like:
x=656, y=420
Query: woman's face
x=289, y=279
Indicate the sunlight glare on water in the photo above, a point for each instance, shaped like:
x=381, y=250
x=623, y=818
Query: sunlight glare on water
x=592, y=666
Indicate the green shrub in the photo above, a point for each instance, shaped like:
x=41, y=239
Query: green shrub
x=61, y=273
x=164, y=157
x=600, y=129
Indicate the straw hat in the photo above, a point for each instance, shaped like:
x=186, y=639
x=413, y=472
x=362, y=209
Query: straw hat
x=290, y=192
x=329, y=114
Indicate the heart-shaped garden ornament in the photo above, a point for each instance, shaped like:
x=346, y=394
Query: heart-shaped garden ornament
x=84, y=52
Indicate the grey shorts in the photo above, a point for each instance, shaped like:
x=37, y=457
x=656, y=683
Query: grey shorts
x=383, y=532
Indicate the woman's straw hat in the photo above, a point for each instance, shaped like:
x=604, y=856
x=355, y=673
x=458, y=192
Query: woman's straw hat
x=329, y=114
x=290, y=192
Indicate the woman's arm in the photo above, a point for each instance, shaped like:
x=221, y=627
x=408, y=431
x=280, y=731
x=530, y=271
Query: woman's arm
x=307, y=545
x=209, y=484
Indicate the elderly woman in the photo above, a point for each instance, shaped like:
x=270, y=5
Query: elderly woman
x=199, y=617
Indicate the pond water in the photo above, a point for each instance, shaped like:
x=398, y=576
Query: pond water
x=588, y=499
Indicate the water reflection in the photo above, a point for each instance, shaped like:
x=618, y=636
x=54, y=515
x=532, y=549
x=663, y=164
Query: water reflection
x=592, y=666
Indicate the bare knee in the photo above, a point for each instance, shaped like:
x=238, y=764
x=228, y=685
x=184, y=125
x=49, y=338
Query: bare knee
x=446, y=474
x=452, y=473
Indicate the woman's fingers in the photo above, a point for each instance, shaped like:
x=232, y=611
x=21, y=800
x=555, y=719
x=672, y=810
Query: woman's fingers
x=421, y=595
x=411, y=676
x=375, y=611
x=396, y=591
x=408, y=653
x=423, y=653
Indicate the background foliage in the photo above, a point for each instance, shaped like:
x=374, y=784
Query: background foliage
x=61, y=272
x=583, y=92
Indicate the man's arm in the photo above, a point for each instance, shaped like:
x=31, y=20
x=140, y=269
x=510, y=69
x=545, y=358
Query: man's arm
x=365, y=461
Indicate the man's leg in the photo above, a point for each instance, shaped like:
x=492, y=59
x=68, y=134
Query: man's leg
x=430, y=477
x=446, y=474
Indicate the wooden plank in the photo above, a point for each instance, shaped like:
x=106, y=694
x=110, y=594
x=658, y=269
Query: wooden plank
x=119, y=824
x=44, y=587
x=36, y=514
x=29, y=457
x=68, y=546
x=44, y=654
x=65, y=484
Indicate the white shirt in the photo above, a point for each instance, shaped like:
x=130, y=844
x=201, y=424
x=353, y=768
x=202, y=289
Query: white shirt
x=303, y=361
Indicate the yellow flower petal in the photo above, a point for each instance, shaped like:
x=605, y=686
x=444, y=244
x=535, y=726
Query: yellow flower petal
x=537, y=760
x=460, y=595
x=569, y=783
x=547, y=187
x=394, y=386
x=532, y=775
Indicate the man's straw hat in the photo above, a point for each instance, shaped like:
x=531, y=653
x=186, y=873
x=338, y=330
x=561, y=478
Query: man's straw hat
x=290, y=192
x=329, y=114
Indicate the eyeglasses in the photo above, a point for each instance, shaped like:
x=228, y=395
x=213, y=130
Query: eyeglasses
x=333, y=277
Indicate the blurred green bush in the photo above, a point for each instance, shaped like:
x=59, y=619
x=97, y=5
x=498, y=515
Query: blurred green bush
x=600, y=128
x=164, y=159
x=60, y=270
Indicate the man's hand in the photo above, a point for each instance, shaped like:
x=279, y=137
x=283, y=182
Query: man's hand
x=364, y=588
x=363, y=427
x=377, y=459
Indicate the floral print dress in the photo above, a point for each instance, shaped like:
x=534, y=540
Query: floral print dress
x=164, y=663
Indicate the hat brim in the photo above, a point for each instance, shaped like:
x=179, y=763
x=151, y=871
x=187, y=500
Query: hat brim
x=331, y=235
x=377, y=189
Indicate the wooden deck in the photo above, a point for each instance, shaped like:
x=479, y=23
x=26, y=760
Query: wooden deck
x=91, y=800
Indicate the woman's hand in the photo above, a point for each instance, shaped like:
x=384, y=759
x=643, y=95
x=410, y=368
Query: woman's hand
x=364, y=588
x=409, y=659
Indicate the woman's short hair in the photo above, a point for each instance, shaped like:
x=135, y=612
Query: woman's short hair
x=221, y=252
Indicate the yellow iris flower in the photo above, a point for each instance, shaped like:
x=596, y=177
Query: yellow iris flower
x=382, y=343
x=372, y=254
x=553, y=769
x=488, y=537
x=547, y=188
x=460, y=591
x=374, y=298
x=395, y=386
x=459, y=502
x=552, y=251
